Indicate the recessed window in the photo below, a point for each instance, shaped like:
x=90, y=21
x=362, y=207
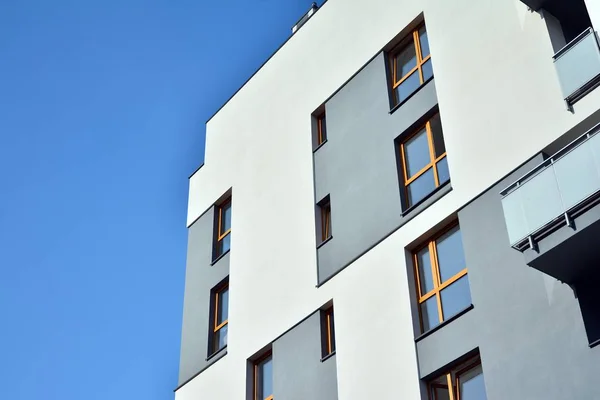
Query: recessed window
x=321, y=129
x=220, y=317
x=423, y=161
x=324, y=219
x=327, y=332
x=441, y=278
x=410, y=65
x=464, y=382
x=223, y=228
x=263, y=378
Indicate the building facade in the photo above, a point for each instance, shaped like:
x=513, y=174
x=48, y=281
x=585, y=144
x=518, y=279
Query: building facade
x=403, y=203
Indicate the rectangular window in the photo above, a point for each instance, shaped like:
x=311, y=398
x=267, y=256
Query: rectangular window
x=263, y=378
x=220, y=317
x=324, y=216
x=223, y=228
x=464, y=382
x=321, y=129
x=327, y=332
x=441, y=278
x=423, y=161
x=410, y=65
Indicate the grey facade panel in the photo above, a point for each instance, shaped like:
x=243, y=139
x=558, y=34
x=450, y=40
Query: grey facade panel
x=200, y=278
x=298, y=373
x=358, y=166
x=527, y=325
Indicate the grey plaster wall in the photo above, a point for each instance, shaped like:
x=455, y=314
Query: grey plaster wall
x=200, y=278
x=298, y=373
x=527, y=325
x=358, y=166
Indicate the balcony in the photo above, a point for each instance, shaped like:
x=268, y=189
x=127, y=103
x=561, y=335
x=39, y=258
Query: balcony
x=552, y=212
x=578, y=66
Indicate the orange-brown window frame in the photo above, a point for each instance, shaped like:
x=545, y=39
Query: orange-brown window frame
x=321, y=133
x=220, y=235
x=257, y=363
x=328, y=331
x=433, y=160
x=414, y=37
x=325, y=220
x=453, y=383
x=216, y=325
x=438, y=286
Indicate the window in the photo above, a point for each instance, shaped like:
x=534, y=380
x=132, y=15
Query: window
x=410, y=65
x=423, y=161
x=223, y=228
x=327, y=332
x=462, y=383
x=321, y=129
x=220, y=317
x=441, y=278
x=263, y=378
x=324, y=218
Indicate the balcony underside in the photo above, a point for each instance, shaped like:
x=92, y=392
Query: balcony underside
x=570, y=253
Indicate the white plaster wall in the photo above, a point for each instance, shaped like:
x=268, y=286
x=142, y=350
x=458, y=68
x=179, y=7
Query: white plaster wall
x=593, y=7
x=500, y=103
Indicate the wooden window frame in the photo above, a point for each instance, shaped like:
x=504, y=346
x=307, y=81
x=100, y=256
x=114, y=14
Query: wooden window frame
x=321, y=134
x=433, y=160
x=325, y=208
x=257, y=363
x=453, y=379
x=415, y=39
x=219, y=234
x=328, y=332
x=216, y=325
x=438, y=286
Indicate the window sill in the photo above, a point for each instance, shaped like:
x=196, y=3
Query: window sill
x=216, y=353
x=423, y=203
x=328, y=356
x=594, y=343
x=216, y=260
x=319, y=146
x=446, y=322
x=397, y=106
x=324, y=241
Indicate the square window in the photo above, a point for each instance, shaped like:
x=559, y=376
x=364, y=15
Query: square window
x=464, y=382
x=441, y=278
x=423, y=162
x=410, y=65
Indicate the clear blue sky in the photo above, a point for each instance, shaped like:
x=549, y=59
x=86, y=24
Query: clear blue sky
x=102, y=112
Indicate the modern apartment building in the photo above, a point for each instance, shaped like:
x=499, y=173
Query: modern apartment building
x=403, y=202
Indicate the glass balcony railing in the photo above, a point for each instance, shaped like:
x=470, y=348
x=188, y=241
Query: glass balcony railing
x=553, y=191
x=578, y=66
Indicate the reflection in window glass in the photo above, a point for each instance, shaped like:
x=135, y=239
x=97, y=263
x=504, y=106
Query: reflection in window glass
x=406, y=60
x=264, y=378
x=420, y=187
x=446, y=282
x=416, y=152
x=408, y=86
x=471, y=385
x=465, y=381
x=456, y=297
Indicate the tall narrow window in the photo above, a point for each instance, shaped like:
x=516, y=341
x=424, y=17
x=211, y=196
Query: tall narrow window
x=223, y=228
x=410, y=65
x=327, y=332
x=321, y=129
x=220, y=317
x=424, y=161
x=441, y=278
x=324, y=217
x=263, y=378
x=462, y=383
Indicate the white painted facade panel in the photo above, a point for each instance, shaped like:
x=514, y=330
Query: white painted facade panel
x=486, y=54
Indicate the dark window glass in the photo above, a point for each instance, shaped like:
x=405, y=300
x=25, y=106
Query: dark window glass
x=438, y=138
x=450, y=253
x=420, y=187
x=406, y=60
x=456, y=297
x=416, y=153
x=424, y=42
x=429, y=313
x=407, y=87
x=425, y=274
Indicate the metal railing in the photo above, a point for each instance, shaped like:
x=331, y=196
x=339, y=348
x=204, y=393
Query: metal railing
x=578, y=66
x=553, y=191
